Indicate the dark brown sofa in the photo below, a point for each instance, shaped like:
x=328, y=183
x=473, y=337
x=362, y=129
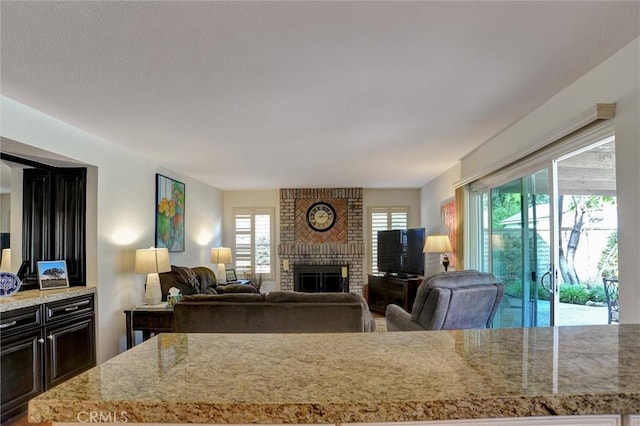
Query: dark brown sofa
x=197, y=280
x=274, y=312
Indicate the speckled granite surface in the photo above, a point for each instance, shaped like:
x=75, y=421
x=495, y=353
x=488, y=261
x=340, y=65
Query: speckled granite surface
x=359, y=377
x=23, y=299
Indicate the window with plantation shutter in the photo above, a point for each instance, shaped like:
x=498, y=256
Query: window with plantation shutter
x=384, y=219
x=253, y=241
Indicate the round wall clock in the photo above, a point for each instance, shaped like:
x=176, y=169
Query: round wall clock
x=321, y=216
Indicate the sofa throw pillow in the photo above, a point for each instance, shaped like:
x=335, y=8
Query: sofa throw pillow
x=206, y=278
x=187, y=276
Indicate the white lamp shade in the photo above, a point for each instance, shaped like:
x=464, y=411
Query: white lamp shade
x=220, y=255
x=5, y=264
x=437, y=244
x=152, y=260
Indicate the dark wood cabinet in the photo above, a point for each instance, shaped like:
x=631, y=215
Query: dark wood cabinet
x=54, y=206
x=70, y=335
x=384, y=290
x=42, y=346
x=21, y=359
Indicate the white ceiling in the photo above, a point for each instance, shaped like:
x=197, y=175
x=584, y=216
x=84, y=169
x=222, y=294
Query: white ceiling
x=255, y=95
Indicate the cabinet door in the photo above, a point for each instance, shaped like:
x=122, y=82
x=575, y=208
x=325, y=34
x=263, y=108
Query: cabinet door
x=21, y=367
x=70, y=350
x=36, y=221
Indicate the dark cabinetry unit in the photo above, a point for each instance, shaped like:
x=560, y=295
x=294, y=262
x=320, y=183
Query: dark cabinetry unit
x=21, y=358
x=384, y=290
x=71, y=342
x=54, y=204
x=42, y=346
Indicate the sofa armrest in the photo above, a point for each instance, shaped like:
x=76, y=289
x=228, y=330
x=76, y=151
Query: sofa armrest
x=368, y=321
x=400, y=320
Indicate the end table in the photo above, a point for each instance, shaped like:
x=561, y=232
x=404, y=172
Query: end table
x=151, y=320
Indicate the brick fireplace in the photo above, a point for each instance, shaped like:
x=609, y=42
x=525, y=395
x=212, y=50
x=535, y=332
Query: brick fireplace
x=342, y=245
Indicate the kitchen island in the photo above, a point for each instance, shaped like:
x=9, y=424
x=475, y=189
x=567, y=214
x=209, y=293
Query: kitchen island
x=351, y=377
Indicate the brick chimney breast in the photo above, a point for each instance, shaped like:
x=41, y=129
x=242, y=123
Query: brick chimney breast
x=343, y=244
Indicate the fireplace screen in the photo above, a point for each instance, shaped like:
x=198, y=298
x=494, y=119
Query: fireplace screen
x=320, y=279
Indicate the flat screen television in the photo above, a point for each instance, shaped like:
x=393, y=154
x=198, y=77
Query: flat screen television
x=400, y=252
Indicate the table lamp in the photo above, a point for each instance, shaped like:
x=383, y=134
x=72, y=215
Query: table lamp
x=439, y=244
x=152, y=261
x=5, y=263
x=220, y=256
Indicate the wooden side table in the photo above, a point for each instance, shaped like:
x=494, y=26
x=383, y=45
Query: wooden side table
x=150, y=320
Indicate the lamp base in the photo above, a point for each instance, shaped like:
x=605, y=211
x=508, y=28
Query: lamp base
x=221, y=274
x=153, y=293
x=445, y=262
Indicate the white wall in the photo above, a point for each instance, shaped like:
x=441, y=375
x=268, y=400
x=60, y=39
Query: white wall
x=409, y=197
x=5, y=212
x=120, y=213
x=614, y=81
x=432, y=196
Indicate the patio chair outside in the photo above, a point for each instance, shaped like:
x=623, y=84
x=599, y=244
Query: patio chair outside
x=611, y=293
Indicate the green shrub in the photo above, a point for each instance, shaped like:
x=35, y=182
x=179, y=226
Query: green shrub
x=576, y=294
x=543, y=294
x=596, y=294
x=581, y=294
x=513, y=289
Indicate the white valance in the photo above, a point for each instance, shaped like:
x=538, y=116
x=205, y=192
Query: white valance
x=591, y=125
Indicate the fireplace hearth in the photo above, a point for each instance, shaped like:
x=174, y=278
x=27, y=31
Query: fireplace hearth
x=320, y=279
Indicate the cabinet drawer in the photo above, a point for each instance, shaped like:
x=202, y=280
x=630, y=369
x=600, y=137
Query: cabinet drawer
x=20, y=320
x=68, y=308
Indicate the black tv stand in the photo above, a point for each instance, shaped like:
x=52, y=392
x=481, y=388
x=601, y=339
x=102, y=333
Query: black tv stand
x=383, y=290
x=401, y=275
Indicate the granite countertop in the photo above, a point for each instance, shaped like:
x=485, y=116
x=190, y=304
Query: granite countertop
x=23, y=299
x=350, y=377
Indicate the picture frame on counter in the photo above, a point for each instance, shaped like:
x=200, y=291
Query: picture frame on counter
x=52, y=274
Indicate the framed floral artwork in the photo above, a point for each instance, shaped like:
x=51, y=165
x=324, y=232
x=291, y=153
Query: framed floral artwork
x=170, y=203
x=448, y=216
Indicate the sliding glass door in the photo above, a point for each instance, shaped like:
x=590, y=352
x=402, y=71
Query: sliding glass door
x=521, y=250
x=550, y=236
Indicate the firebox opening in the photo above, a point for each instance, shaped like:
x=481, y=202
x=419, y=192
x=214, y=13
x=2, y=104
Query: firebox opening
x=320, y=279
